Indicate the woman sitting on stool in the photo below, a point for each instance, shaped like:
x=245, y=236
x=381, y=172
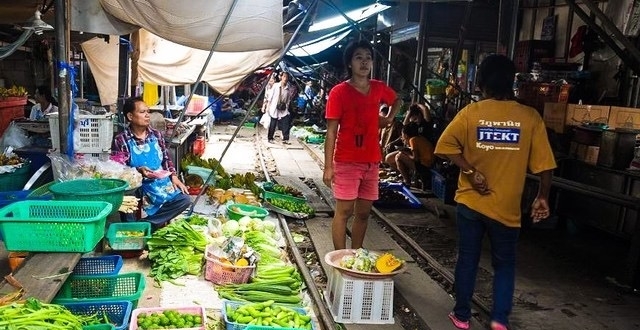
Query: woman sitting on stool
x=163, y=194
x=417, y=158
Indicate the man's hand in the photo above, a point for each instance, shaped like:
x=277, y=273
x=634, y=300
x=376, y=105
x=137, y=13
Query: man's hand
x=479, y=182
x=539, y=209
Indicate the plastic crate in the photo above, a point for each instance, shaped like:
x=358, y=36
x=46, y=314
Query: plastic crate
x=103, y=288
x=15, y=180
x=194, y=310
x=355, y=300
x=444, y=189
x=95, y=133
x=108, y=190
x=237, y=326
x=127, y=243
x=53, y=226
x=105, y=265
x=219, y=273
x=118, y=312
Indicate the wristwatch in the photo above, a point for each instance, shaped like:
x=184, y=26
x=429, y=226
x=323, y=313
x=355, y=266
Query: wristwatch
x=469, y=171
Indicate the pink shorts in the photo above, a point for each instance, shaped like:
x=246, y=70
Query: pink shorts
x=355, y=180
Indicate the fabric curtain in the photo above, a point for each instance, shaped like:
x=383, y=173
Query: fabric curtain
x=103, y=62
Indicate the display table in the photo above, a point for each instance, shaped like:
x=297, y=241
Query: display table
x=42, y=274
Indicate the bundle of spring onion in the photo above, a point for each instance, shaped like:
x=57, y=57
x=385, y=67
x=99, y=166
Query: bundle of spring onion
x=34, y=314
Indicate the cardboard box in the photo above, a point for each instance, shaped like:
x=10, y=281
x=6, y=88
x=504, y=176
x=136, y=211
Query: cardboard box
x=591, y=155
x=577, y=114
x=554, y=116
x=624, y=118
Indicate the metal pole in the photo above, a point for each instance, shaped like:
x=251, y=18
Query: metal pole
x=567, y=33
x=499, y=26
x=514, y=26
x=81, y=76
x=389, y=66
x=62, y=55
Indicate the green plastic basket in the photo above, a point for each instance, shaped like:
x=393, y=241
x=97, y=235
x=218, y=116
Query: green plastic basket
x=102, y=288
x=127, y=242
x=53, y=226
x=42, y=191
x=16, y=179
x=107, y=190
x=270, y=194
x=237, y=211
x=99, y=327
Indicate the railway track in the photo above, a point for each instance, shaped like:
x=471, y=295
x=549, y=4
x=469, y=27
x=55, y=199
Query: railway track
x=427, y=262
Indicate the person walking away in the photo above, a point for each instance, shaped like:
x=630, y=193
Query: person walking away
x=417, y=158
x=278, y=108
x=309, y=94
x=163, y=195
x=352, y=151
x=45, y=103
x=494, y=142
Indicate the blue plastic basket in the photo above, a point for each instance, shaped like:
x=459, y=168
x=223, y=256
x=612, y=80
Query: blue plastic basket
x=8, y=197
x=230, y=325
x=105, y=265
x=118, y=312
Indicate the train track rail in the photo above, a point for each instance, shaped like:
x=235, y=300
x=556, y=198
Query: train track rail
x=324, y=315
x=427, y=262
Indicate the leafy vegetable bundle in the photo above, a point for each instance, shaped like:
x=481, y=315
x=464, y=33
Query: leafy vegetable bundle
x=176, y=250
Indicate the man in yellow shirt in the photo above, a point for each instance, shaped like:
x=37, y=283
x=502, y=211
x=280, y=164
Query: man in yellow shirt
x=494, y=142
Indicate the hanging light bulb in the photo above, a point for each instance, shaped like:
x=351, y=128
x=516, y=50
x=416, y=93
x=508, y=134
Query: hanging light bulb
x=37, y=24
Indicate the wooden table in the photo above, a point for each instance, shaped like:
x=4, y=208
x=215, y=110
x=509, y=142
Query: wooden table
x=42, y=274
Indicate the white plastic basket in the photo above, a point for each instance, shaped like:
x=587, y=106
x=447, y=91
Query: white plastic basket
x=95, y=133
x=355, y=300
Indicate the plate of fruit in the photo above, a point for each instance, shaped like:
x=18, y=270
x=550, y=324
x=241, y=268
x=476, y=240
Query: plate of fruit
x=363, y=263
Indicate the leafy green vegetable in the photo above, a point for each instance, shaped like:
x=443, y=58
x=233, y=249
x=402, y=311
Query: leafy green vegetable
x=176, y=250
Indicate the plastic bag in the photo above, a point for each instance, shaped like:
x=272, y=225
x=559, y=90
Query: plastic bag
x=65, y=169
x=265, y=120
x=15, y=136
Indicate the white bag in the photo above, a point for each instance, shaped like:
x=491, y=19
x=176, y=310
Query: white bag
x=265, y=120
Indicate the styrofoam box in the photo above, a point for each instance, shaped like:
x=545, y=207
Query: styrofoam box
x=356, y=300
x=95, y=133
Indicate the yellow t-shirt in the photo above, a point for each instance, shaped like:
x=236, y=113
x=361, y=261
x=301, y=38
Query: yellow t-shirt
x=422, y=150
x=502, y=140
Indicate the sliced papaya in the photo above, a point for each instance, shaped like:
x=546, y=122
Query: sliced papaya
x=387, y=263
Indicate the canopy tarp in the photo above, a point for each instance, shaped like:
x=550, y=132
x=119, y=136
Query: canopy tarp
x=175, y=38
x=166, y=63
x=253, y=25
